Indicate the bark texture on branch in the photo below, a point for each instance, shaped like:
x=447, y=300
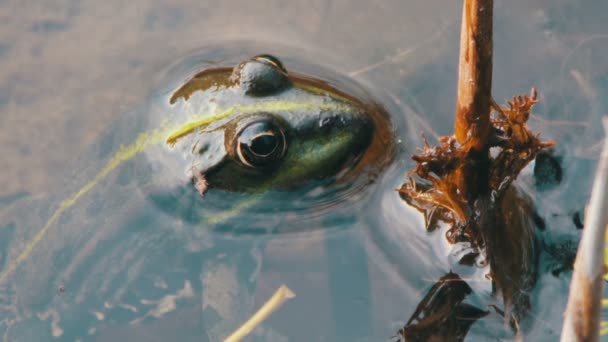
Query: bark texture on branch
x=472, y=125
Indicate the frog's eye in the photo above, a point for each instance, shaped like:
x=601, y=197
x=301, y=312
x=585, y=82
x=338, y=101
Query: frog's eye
x=260, y=143
x=272, y=60
x=262, y=75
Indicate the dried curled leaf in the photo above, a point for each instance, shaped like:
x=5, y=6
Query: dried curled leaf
x=433, y=188
x=497, y=221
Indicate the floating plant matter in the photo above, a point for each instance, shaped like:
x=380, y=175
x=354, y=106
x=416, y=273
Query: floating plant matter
x=466, y=182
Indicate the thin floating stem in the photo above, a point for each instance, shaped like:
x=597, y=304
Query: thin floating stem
x=275, y=302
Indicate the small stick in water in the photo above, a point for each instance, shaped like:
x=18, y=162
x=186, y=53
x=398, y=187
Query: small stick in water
x=277, y=299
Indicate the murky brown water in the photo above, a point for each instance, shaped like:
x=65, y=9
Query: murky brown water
x=70, y=69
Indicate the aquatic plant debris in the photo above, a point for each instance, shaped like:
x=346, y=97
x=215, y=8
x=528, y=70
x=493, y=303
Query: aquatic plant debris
x=498, y=224
x=281, y=295
x=583, y=313
x=466, y=180
x=442, y=315
x=433, y=189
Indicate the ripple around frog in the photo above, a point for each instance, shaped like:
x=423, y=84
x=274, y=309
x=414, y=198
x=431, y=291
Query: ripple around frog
x=108, y=235
x=165, y=185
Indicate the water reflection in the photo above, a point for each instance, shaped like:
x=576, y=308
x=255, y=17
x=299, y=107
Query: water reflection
x=69, y=69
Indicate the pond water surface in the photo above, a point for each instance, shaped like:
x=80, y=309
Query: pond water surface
x=115, y=267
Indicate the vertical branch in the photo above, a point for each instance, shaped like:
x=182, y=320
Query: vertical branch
x=582, y=317
x=472, y=125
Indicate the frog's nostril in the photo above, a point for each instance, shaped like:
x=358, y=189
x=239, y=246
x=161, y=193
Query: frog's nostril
x=203, y=149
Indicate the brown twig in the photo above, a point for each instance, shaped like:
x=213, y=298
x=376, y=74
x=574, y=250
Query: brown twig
x=472, y=127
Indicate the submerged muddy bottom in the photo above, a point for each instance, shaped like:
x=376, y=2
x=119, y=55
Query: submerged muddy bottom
x=358, y=269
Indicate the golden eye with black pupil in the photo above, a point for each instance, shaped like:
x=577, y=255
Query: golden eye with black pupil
x=260, y=144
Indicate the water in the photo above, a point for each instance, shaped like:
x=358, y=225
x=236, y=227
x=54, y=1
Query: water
x=71, y=70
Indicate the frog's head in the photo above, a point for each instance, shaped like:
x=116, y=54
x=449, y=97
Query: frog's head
x=259, y=126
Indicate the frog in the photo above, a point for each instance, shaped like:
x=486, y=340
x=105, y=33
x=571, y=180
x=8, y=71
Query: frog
x=269, y=129
x=225, y=139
